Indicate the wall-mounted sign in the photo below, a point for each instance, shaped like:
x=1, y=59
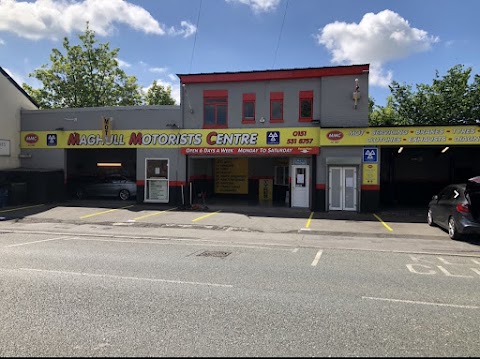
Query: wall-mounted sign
x=4, y=147
x=286, y=141
x=401, y=136
x=370, y=154
x=231, y=175
x=300, y=161
x=106, y=126
x=370, y=174
x=262, y=141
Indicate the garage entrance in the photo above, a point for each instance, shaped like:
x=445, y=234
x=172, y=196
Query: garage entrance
x=85, y=166
x=412, y=175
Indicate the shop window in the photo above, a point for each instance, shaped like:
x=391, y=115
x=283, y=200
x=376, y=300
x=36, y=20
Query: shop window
x=156, y=180
x=281, y=176
x=306, y=106
x=276, y=107
x=248, y=108
x=215, y=108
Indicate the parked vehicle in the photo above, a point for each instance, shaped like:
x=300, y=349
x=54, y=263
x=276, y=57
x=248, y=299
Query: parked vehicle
x=108, y=186
x=456, y=208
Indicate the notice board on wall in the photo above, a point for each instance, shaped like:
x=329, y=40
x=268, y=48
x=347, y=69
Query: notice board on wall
x=231, y=175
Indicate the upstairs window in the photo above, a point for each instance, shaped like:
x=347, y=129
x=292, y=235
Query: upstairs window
x=215, y=108
x=248, y=108
x=276, y=107
x=306, y=106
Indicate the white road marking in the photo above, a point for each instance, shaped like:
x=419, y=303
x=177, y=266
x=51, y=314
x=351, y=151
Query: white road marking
x=44, y=240
x=448, y=274
x=163, y=241
x=317, y=258
x=295, y=250
x=424, y=303
x=127, y=278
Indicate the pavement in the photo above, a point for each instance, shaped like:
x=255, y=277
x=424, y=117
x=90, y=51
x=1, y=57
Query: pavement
x=386, y=223
x=392, y=230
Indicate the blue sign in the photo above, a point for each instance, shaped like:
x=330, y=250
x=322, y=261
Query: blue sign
x=51, y=139
x=273, y=137
x=370, y=154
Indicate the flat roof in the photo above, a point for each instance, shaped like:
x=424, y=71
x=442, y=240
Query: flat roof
x=280, y=74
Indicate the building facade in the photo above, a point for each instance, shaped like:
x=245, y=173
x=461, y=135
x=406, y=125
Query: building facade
x=292, y=137
x=244, y=136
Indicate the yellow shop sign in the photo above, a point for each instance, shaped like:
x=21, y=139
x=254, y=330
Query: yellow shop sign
x=215, y=138
x=401, y=136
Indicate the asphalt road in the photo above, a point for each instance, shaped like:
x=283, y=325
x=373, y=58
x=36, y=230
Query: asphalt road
x=99, y=295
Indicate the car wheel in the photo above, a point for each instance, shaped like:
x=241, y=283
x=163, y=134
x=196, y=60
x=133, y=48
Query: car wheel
x=430, y=218
x=124, y=194
x=80, y=193
x=452, y=229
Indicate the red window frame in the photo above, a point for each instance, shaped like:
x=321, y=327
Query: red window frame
x=248, y=98
x=276, y=97
x=221, y=95
x=305, y=96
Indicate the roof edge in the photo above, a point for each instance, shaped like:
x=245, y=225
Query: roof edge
x=19, y=88
x=280, y=74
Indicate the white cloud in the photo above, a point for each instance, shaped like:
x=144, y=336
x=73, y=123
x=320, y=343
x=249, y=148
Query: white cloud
x=123, y=64
x=188, y=29
x=376, y=39
x=259, y=6
x=53, y=19
x=2, y=42
x=158, y=70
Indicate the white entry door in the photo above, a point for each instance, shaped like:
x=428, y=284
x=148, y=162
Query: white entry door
x=301, y=186
x=342, y=188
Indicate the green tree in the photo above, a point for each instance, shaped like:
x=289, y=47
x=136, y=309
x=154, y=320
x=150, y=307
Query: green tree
x=384, y=115
x=450, y=100
x=85, y=75
x=159, y=95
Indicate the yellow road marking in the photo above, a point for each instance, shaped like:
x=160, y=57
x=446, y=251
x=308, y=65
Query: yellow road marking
x=154, y=214
x=309, y=220
x=18, y=209
x=386, y=225
x=99, y=213
x=205, y=216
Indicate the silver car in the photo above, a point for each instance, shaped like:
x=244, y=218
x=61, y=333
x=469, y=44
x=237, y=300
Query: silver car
x=109, y=186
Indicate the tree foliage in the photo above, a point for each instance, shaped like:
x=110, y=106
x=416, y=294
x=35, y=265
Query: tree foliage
x=159, y=95
x=450, y=100
x=87, y=75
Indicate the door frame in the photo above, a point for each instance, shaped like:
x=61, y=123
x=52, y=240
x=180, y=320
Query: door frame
x=342, y=188
x=307, y=180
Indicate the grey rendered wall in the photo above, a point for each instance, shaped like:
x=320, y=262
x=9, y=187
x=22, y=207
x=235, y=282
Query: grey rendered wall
x=193, y=100
x=124, y=118
x=333, y=102
x=337, y=105
x=341, y=156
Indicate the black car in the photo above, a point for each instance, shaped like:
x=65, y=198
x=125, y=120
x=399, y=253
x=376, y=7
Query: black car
x=456, y=208
x=109, y=186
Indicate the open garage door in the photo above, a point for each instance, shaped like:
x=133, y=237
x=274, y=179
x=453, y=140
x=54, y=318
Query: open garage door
x=412, y=175
x=100, y=173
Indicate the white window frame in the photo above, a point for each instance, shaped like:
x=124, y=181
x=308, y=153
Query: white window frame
x=157, y=181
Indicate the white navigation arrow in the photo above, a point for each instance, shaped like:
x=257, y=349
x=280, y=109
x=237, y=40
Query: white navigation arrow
x=456, y=193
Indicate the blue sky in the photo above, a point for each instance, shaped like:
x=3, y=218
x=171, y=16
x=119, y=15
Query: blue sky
x=405, y=41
